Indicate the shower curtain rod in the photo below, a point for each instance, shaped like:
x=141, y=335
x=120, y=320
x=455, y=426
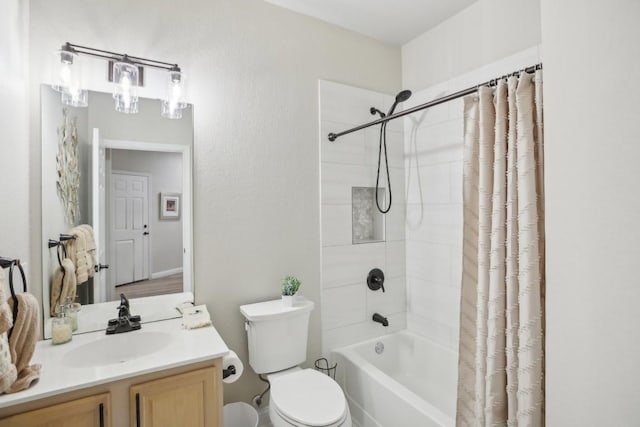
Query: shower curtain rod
x=333, y=136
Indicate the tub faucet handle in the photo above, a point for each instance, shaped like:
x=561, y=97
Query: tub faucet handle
x=375, y=279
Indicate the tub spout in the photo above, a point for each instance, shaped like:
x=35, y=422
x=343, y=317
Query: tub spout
x=380, y=319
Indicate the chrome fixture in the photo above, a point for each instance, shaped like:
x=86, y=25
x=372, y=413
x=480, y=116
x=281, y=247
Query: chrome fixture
x=127, y=74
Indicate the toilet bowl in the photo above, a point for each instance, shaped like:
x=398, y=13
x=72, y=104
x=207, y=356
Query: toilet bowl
x=306, y=398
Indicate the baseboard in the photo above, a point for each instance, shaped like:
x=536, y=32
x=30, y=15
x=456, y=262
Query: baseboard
x=165, y=273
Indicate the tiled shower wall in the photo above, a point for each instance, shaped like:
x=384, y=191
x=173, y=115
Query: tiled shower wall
x=433, y=165
x=351, y=161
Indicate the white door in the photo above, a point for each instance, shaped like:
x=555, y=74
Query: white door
x=129, y=203
x=98, y=202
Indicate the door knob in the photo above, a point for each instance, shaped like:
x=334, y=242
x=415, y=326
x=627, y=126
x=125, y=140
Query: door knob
x=146, y=233
x=101, y=267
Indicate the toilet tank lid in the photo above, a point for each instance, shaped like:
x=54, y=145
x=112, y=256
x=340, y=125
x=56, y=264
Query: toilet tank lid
x=268, y=310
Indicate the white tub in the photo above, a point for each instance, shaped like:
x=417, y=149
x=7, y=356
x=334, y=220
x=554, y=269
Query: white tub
x=412, y=383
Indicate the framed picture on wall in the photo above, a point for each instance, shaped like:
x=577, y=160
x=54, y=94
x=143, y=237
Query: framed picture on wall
x=170, y=206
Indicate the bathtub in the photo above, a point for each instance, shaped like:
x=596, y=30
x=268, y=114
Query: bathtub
x=411, y=383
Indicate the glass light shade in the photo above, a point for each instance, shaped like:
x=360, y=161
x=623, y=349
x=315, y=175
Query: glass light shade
x=170, y=111
x=174, y=101
x=125, y=91
x=75, y=97
x=66, y=70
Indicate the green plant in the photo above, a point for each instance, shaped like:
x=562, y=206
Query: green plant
x=290, y=285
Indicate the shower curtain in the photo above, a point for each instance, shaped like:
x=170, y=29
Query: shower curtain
x=501, y=365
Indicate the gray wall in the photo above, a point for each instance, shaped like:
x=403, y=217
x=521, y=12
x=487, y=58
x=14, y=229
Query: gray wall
x=165, y=170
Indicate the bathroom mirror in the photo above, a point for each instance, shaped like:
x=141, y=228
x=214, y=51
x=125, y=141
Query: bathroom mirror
x=129, y=177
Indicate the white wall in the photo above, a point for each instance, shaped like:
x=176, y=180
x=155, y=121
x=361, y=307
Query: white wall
x=485, y=32
x=351, y=161
x=592, y=152
x=15, y=232
x=253, y=70
x=165, y=170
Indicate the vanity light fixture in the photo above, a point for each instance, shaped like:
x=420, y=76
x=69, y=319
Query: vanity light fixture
x=174, y=101
x=125, y=86
x=66, y=77
x=125, y=71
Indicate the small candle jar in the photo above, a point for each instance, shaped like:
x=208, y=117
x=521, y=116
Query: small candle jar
x=60, y=329
x=71, y=312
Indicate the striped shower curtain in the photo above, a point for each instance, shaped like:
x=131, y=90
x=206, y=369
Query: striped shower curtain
x=501, y=364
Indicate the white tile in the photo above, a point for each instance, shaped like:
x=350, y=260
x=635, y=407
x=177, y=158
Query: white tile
x=456, y=179
x=428, y=184
x=434, y=223
x=432, y=330
x=456, y=266
x=348, y=149
x=395, y=147
x=347, y=104
x=392, y=300
x=395, y=259
x=428, y=260
x=358, y=332
x=394, y=223
x=347, y=265
x=430, y=300
x=344, y=306
x=336, y=225
x=338, y=179
x=430, y=145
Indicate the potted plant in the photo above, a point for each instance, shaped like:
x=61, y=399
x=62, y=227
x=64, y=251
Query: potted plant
x=290, y=286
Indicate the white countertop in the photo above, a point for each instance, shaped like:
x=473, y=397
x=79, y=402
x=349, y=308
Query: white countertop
x=56, y=376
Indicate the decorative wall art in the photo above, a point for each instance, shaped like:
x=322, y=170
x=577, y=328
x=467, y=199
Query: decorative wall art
x=68, y=182
x=170, y=206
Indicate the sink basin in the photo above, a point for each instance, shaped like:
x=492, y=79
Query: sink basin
x=119, y=348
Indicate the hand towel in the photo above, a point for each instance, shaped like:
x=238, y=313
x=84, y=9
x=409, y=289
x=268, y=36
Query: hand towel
x=90, y=246
x=195, y=317
x=63, y=285
x=6, y=316
x=8, y=372
x=77, y=253
x=23, y=341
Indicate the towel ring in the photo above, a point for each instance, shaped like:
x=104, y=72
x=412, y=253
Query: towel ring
x=16, y=262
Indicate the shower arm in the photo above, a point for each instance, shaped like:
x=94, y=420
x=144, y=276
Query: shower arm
x=333, y=136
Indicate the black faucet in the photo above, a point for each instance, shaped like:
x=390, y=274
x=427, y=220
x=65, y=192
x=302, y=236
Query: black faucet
x=125, y=321
x=380, y=319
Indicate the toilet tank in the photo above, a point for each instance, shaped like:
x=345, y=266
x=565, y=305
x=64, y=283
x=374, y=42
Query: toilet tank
x=277, y=334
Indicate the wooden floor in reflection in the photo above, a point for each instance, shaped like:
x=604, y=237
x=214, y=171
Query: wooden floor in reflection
x=146, y=288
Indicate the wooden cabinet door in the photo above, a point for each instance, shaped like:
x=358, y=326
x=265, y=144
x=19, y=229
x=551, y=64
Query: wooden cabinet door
x=93, y=411
x=189, y=400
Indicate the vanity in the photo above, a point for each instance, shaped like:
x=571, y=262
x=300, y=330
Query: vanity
x=161, y=375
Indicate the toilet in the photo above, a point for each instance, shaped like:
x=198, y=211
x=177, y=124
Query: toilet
x=277, y=336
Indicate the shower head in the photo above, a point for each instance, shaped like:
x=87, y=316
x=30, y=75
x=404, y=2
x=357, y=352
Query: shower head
x=374, y=111
x=401, y=97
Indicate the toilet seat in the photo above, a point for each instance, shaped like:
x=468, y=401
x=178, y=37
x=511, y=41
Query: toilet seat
x=307, y=397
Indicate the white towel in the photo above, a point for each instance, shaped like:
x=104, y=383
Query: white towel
x=195, y=317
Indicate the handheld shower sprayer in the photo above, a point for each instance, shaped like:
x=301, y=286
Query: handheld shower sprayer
x=400, y=97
